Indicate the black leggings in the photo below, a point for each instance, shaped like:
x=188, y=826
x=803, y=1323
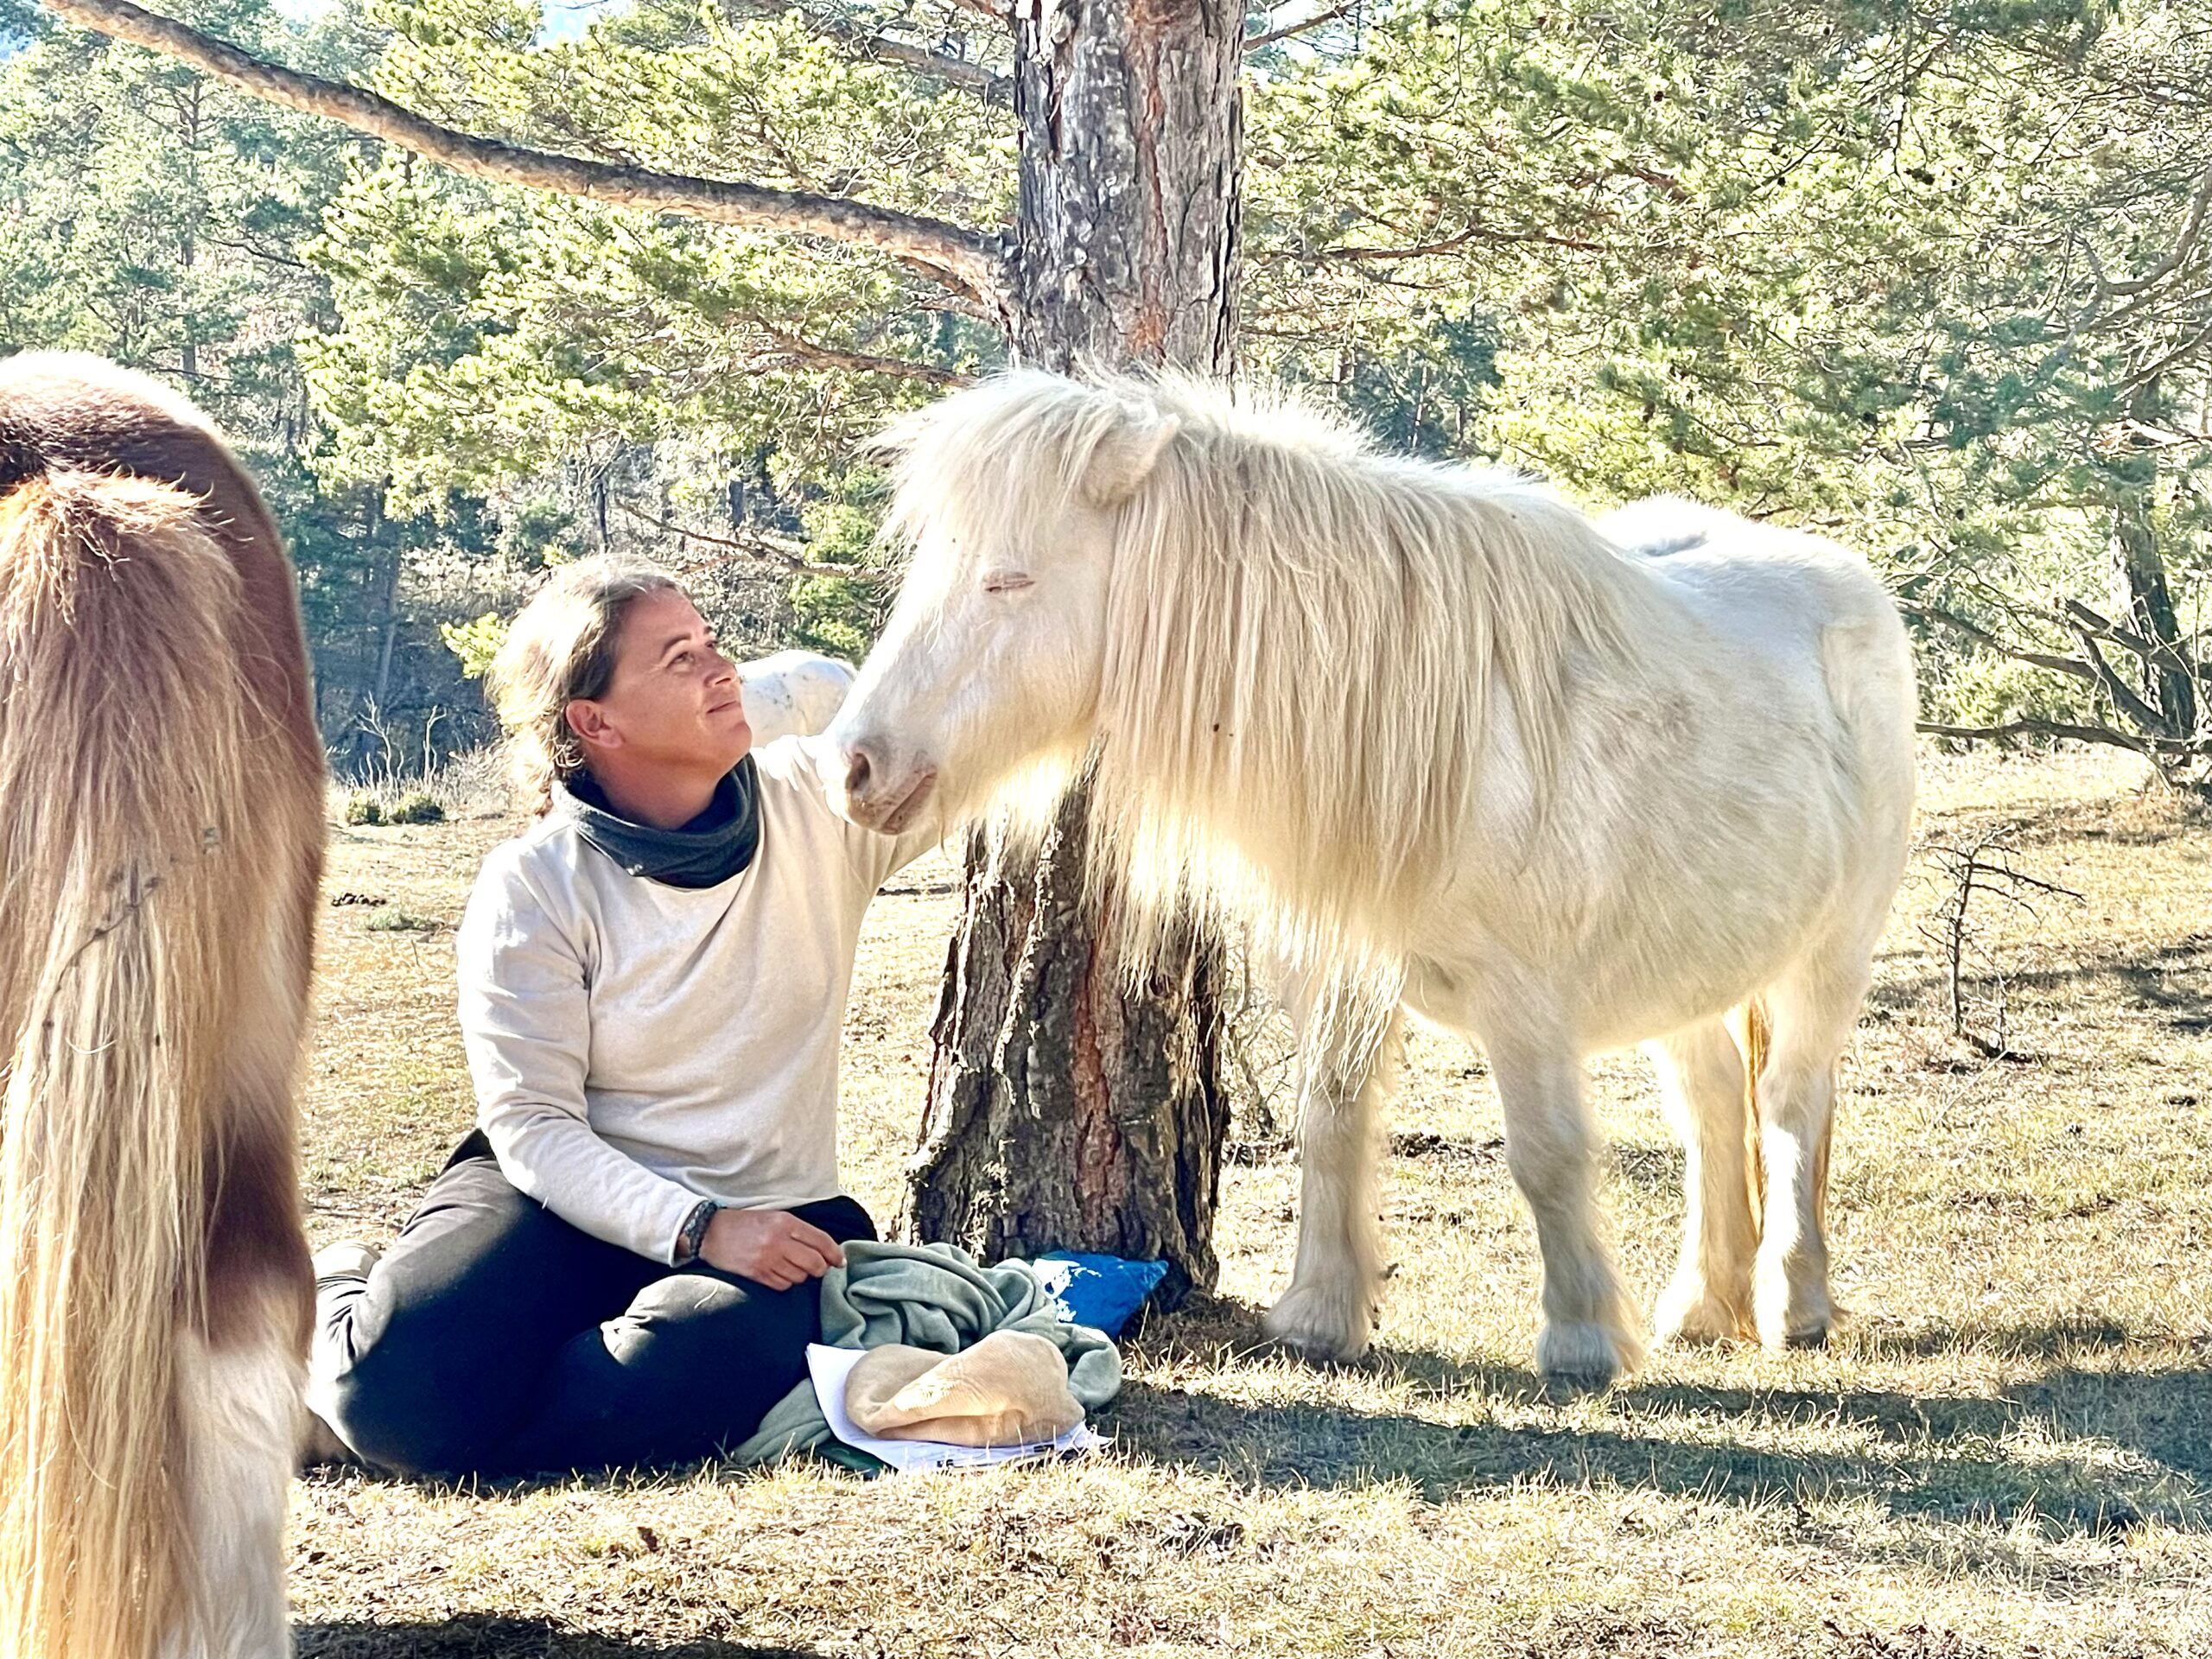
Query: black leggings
x=493, y=1338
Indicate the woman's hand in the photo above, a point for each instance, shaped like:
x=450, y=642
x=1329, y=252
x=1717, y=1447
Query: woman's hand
x=772, y=1246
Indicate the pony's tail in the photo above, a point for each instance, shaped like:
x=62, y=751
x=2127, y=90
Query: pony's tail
x=1754, y=1036
x=123, y=728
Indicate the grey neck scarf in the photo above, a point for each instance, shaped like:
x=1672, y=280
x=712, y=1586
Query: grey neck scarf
x=711, y=849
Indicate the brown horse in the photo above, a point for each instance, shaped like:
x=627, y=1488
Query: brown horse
x=161, y=840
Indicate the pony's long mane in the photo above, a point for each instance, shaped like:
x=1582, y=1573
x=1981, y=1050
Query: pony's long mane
x=1316, y=655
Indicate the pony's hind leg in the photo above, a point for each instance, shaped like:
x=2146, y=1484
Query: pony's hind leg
x=1591, y=1330
x=1702, y=1083
x=1812, y=1008
x=238, y=1410
x=1349, y=1055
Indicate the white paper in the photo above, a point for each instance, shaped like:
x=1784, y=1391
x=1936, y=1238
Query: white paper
x=829, y=1367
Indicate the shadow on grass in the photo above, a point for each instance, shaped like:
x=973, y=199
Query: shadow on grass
x=1940, y=1459
x=2153, y=980
x=2043, y=1449
x=483, y=1637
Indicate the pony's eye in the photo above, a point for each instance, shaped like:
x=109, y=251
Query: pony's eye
x=1007, y=582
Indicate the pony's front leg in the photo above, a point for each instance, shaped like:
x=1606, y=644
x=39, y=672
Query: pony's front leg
x=238, y=1411
x=1591, y=1329
x=1348, y=1067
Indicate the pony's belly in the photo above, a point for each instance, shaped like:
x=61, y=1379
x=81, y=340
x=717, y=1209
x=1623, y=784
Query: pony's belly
x=1610, y=989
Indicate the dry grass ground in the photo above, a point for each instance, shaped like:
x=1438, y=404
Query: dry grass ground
x=2007, y=1451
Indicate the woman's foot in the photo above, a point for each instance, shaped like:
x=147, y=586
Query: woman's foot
x=342, y=1274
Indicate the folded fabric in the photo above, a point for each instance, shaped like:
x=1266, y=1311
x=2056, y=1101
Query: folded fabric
x=935, y=1297
x=1011, y=1388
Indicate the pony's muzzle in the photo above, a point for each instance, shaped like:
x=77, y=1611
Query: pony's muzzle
x=881, y=795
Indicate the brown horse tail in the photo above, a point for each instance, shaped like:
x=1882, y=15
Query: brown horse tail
x=124, y=731
x=1754, y=1036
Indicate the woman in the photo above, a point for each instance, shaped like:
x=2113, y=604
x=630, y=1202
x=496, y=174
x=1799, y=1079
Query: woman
x=620, y=1266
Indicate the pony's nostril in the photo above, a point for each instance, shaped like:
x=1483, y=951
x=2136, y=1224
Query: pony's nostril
x=856, y=773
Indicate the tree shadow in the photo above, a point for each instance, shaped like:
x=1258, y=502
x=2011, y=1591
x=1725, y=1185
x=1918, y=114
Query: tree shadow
x=2144, y=978
x=1939, y=1457
x=479, y=1635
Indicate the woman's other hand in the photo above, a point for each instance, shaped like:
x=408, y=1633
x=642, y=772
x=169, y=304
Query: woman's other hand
x=772, y=1246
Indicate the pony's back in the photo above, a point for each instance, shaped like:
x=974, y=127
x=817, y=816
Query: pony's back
x=160, y=837
x=792, y=693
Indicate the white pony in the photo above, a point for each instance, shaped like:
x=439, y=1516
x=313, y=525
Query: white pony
x=792, y=694
x=1449, y=746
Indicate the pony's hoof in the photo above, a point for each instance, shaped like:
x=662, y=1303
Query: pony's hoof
x=1583, y=1358
x=1692, y=1314
x=1782, y=1335
x=1317, y=1327
x=1801, y=1321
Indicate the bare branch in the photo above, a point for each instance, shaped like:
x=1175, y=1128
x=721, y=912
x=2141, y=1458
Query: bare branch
x=1446, y=245
x=1252, y=43
x=2122, y=695
x=952, y=254
x=2153, y=747
x=2080, y=616
x=1982, y=636
x=992, y=88
x=831, y=357
x=954, y=72
x=2184, y=244
x=761, y=549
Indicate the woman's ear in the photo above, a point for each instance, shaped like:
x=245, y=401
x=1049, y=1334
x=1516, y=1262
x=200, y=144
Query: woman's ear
x=587, y=718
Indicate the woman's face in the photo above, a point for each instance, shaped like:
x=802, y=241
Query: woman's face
x=674, y=700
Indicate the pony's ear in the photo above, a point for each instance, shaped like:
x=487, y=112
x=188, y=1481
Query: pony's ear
x=1125, y=458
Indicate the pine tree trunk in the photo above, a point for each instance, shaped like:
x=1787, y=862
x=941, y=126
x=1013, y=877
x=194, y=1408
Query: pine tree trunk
x=2141, y=593
x=1067, y=1110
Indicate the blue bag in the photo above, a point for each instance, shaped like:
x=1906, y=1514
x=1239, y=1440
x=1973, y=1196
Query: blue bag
x=1099, y=1291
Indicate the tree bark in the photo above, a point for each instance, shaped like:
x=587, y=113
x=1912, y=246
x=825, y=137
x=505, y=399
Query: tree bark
x=1067, y=1108
x=2141, y=594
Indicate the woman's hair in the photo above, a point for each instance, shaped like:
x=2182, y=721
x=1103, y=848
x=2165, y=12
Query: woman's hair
x=561, y=647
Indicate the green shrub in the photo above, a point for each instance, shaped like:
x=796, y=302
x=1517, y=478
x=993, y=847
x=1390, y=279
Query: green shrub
x=363, y=807
x=393, y=919
x=416, y=806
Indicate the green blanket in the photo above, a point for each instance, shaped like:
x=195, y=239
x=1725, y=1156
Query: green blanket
x=932, y=1296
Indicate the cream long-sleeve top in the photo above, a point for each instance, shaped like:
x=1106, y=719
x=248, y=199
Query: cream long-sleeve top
x=636, y=1048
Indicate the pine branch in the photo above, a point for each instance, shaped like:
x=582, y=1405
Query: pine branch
x=958, y=257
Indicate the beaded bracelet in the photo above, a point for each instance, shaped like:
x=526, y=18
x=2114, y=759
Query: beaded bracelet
x=692, y=1238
